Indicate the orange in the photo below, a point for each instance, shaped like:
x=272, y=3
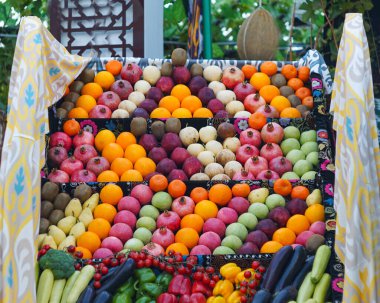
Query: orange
x=78, y=113
x=298, y=224
x=86, y=253
x=198, y=194
x=71, y=127
x=285, y=236
x=125, y=139
x=290, y=112
x=282, y=187
x=178, y=248
x=315, y=212
x=270, y=247
x=131, y=176
x=303, y=92
x=89, y=240
x=160, y=113
x=192, y=103
x=241, y=190
x=187, y=236
x=108, y=176
x=193, y=221
x=111, y=194
x=105, y=211
x=269, y=68
x=121, y=165
x=206, y=209
x=158, y=183
x=133, y=152
x=257, y=121
x=92, y=89
x=304, y=73
x=104, y=79
x=67, y=91
x=145, y=166
x=203, y=113
x=100, y=226
x=258, y=80
x=295, y=83
x=182, y=113
x=220, y=194
x=300, y=192
x=170, y=103
x=248, y=70
x=280, y=103
x=177, y=188
x=180, y=91
x=289, y=71
x=308, y=101
x=114, y=67
x=103, y=138
x=86, y=102
x=268, y=92
x=112, y=151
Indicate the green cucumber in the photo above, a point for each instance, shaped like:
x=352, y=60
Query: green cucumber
x=56, y=293
x=81, y=283
x=306, y=290
x=322, y=258
x=69, y=285
x=45, y=286
x=322, y=288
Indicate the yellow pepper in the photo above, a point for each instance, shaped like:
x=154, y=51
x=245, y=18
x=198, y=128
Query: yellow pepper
x=234, y=297
x=217, y=299
x=229, y=271
x=240, y=276
x=223, y=288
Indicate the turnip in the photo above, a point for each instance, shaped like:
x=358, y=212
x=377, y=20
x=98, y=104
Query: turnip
x=221, y=177
x=212, y=73
x=207, y=133
x=142, y=86
x=225, y=156
x=214, y=169
x=189, y=135
x=151, y=74
x=242, y=114
x=206, y=157
x=234, y=107
x=226, y=96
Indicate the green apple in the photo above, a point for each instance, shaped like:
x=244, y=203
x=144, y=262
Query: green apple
x=223, y=250
x=232, y=242
x=237, y=229
x=310, y=175
x=274, y=200
x=258, y=195
x=162, y=200
x=147, y=222
x=291, y=132
x=290, y=176
x=308, y=136
x=248, y=220
x=134, y=244
x=313, y=158
x=143, y=234
x=259, y=210
x=309, y=147
x=149, y=211
x=302, y=167
x=295, y=155
x=289, y=144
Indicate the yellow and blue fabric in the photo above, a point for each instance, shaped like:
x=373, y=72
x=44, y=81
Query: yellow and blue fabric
x=357, y=175
x=42, y=68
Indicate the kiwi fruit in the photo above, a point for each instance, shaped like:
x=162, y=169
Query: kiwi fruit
x=44, y=225
x=278, y=80
x=61, y=201
x=173, y=125
x=226, y=130
x=314, y=242
x=67, y=105
x=158, y=129
x=304, y=110
x=83, y=192
x=166, y=69
x=294, y=100
x=71, y=97
x=76, y=86
x=46, y=208
x=87, y=75
x=179, y=57
x=61, y=113
x=196, y=70
x=49, y=191
x=286, y=91
x=138, y=126
x=55, y=216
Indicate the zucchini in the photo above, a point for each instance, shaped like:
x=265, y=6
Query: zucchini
x=103, y=297
x=88, y=295
x=276, y=267
x=36, y=272
x=45, y=286
x=56, y=293
x=306, y=290
x=69, y=285
x=322, y=258
x=81, y=283
x=322, y=288
x=304, y=271
x=262, y=296
x=285, y=295
x=295, y=266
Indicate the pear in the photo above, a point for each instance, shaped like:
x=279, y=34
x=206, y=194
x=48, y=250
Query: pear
x=258, y=195
x=67, y=223
x=314, y=198
x=40, y=239
x=49, y=240
x=70, y=240
x=86, y=217
x=57, y=234
x=91, y=202
x=77, y=230
x=74, y=208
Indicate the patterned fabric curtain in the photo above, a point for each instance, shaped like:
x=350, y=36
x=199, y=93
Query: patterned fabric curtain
x=195, y=40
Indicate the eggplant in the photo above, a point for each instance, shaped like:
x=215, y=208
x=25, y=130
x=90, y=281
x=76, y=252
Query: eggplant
x=103, y=297
x=88, y=294
x=294, y=267
x=111, y=272
x=262, y=296
x=276, y=268
x=285, y=295
x=304, y=271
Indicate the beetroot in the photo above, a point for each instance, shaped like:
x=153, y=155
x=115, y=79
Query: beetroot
x=85, y=152
x=248, y=248
x=170, y=219
x=296, y=206
x=280, y=165
x=165, y=84
x=165, y=166
x=267, y=226
x=255, y=165
x=157, y=154
x=131, y=72
x=239, y=204
x=83, y=175
x=196, y=84
x=58, y=176
x=206, y=94
x=245, y=152
x=179, y=155
x=57, y=155
x=192, y=166
x=83, y=137
x=100, y=111
x=242, y=90
x=149, y=105
x=148, y=141
x=123, y=88
x=181, y=75
x=216, y=225
x=267, y=175
x=215, y=105
x=140, y=112
x=70, y=165
x=60, y=139
x=257, y=237
x=155, y=94
x=98, y=165
x=270, y=151
x=243, y=175
x=109, y=99
x=250, y=136
x=177, y=174
x=272, y=132
x=279, y=215
x=170, y=141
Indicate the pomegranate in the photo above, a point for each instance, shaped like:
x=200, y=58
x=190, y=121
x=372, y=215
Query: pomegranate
x=83, y=175
x=232, y=76
x=83, y=137
x=200, y=250
x=70, y=165
x=163, y=236
x=181, y=75
x=242, y=90
x=267, y=175
x=131, y=72
x=148, y=141
x=196, y=84
x=216, y=225
x=243, y=175
x=97, y=165
x=153, y=249
x=170, y=141
x=100, y=111
x=227, y=215
x=215, y=105
x=280, y=165
x=109, y=99
x=142, y=193
x=210, y=239
x=170, y=219
x=253, y=101
x=192, y=166
x=58, y=176
x=268, y=111
x=155, y=94
x=60, y=139
x=270, y=151
x=165, y=84
x=177, y=174
x=85, y=152
x=255, y=165
x=245, y=152
x=183, y=206
x=179, y=155
x=250, y=136
x=165, y=166
x=157, y=154
x=122, y=88
x=272, y=132
x=57, y=155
